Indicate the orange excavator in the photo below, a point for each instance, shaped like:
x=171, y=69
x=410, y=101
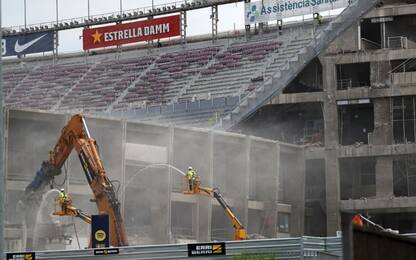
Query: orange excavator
x=75, y=136
x=240, y=232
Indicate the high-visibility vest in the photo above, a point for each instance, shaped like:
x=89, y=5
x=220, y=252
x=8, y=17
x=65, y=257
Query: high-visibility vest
x=63, y=196
x=190, y=174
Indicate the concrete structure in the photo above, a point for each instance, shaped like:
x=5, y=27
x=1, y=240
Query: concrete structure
x=155, y=209
x=354, y=108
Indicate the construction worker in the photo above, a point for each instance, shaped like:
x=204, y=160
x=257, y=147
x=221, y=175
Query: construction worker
x=320, y=19
x=357, y=220
x=63, y=196
x=191, y=176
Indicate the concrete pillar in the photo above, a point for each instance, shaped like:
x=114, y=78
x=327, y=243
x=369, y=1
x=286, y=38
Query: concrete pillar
x=332, y=179
x=383, y=130
x=330, y=110
x=384, y=177
x=379, y=74
x=205, y=203
x=301, y=163
x=383, y=135
x=170, y=155
x=275, y=223
x=332, y=182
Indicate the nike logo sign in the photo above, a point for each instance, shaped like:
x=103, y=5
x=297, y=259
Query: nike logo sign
x=20, y=48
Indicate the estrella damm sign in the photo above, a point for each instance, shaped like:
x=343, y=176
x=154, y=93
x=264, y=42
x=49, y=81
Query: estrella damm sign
x=145, y=30
x=206, y=249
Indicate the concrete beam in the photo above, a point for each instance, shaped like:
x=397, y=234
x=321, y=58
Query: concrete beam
x=392, y=10
x=310, y=97
x=381, y=205
x=314, y=153
x=375, y=150
x=371, y=56
x=368, y=92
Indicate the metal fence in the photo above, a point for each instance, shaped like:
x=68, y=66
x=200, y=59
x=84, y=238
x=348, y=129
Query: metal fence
x=283, y=248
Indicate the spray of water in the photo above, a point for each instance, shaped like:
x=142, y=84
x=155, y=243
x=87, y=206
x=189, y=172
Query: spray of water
x=39, y=213
x=156, y=165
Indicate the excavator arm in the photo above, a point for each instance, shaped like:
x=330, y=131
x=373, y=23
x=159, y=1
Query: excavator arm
x=75, y=136
x=240, y=232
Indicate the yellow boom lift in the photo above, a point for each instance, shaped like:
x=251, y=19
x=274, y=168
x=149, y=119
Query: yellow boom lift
x=239, y=230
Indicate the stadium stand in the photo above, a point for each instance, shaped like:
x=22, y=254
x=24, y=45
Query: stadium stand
x=199, y=113
x=194, y=74
x=103, y=83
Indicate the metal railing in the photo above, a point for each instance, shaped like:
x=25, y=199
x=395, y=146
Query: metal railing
x=349, y=83
x=369, y=44
x=397, y=42
x=404, y=66
x=117, y=16
x=283, y=248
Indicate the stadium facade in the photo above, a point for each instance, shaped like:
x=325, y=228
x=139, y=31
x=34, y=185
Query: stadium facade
x=353, y=107
x=349, y=103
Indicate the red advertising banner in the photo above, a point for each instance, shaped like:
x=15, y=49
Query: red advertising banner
x=124, y=33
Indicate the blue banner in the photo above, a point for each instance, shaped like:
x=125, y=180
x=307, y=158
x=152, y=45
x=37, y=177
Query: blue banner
x=100, y=235
x=25, y=44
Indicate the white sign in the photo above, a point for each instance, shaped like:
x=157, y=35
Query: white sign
x=269, y=10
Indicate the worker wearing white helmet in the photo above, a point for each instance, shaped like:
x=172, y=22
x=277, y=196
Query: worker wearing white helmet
x=62, y=195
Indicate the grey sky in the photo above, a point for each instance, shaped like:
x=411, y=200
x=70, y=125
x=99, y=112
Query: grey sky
x=39, y=11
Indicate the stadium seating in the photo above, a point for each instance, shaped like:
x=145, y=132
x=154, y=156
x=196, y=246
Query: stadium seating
x=103, y=84
x=200, y=113
x=12, y=78
x=43, y=86
x=232, y=70
x=165, y=79
x=161, y=79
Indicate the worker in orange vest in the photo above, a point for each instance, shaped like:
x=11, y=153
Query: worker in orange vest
x=357, y=220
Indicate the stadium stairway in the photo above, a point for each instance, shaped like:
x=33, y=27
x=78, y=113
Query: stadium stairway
x=272, y=87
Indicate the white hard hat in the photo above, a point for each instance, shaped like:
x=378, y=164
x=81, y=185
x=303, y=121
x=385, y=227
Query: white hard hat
x=62, y=189
x=190, y=168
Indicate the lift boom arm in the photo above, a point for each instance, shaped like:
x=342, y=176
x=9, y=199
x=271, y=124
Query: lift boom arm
x=239, y=230
x=66, y=209
x=75, y=135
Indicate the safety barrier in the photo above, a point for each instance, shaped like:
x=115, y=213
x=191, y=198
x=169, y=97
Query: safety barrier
x=282, y=248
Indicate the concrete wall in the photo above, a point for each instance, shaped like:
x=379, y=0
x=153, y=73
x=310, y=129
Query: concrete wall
x=246, y=169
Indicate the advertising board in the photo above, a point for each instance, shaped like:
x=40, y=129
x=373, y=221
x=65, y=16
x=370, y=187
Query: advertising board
x=145, y=30
x=269, y=10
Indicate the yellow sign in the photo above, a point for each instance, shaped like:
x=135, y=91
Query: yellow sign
x=100, y=235
x=217, y=249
